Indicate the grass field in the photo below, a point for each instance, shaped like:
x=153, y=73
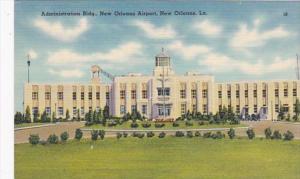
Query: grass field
x=168, y=125
x=30, y=124
x=160, y=158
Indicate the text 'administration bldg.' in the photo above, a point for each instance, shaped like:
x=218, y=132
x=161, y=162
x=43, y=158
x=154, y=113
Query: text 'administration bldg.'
x=144, y=93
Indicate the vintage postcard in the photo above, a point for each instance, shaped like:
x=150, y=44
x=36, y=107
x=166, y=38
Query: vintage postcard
x=156, y=89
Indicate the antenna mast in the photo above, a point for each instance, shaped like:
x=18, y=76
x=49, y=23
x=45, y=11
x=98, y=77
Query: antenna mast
x=298, y=75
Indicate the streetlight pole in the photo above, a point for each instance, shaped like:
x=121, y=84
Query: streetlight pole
x=28, y=65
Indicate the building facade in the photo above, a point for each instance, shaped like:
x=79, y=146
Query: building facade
x=163, y=95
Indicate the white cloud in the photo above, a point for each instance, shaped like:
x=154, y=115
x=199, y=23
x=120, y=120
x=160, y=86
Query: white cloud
x=208, y=28
x=151, y=31
x=32, y=53
x=59, y=31
x=188, y=52
x=75, y=73
x=222, y=63
x=123, y=53
x=247, y=38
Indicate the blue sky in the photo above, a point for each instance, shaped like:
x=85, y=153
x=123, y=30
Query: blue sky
x=235, y=41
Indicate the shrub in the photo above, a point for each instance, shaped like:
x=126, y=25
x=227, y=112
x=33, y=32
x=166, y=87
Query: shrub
x=218, y=135
x=231, y=133
x=88, y=123
x=162, y=135
x=134, y=125
x=207, y=135
x=146, y=125
x=101, y=134
x=268, y=133
x=179, y=134
x=112, y=123
x=201, y=123
x=189, y=123
x=159, y=125
x=276, y=135
x=189, y=134
x=175, y=124
x=53, y=139
x=94, y=134
x=250, y=133
x=141, y=135
x=150, y=134
x=125, y=134
x=78, y=134
x=43, y=142
x=288, y=135
x=64, y=136
x=34, y=139
x=119, y=135
x=197, y=134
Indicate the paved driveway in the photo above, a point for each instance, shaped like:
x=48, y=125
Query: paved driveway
x=21, y=136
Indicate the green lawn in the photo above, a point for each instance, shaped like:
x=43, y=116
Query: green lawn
x=30, y=124
x=160, y=158
x=168, y=125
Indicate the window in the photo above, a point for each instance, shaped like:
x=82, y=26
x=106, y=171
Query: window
x=183, y=109
x=220, y=94
x=164, y=110
x=144, y=94
x=228, y=94
x=237, y=109
x=204, y=93
x=294, y=92
x=285, y=92
x=122, y=109
x=60, y=95
x=194, y=93
x=237, y=93
x=60, y=111
x=107, y=95
x=90, y=95
x=255, y=93
x=82, y=111
x=255, y=108
x=47, y=95
x=194, y=108
x=35, y=96
x=160, y=91
x=144, y=109
x=35, y=111
x=264, y=93
x=133, y=108
x=204, y=108
x=98, y=95
x=182, y=93
x=90, y=108
x=246, y=93
x=133, y=94
x=276, y=107
x=48, y=111
x=122, y=94
x=276, y=92
x=74, y=111
x=82, y=95
x=74, y=96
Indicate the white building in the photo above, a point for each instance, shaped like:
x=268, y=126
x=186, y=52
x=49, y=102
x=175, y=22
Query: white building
x=144, y=93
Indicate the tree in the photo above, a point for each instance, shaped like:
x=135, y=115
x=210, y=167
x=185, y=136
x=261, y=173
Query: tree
x=276, y=135
x=250, y=133
x=78, y=115
x=268, y=133
x=36, y=117
x=281, y=114
x=27, y=115
x=288, y=135
x=67, y=114
x=94, y=135
x=64, y=136
x=53, y=117
x=18, y=118
x=78, y=134
x=101, y=134
x=231, y=133
x=34, y=139
x=44, y=117
x=297, y=109
x=106, y=112
x=53, y=139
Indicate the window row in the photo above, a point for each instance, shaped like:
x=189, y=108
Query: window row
x=264, y=93
x=60, y=95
